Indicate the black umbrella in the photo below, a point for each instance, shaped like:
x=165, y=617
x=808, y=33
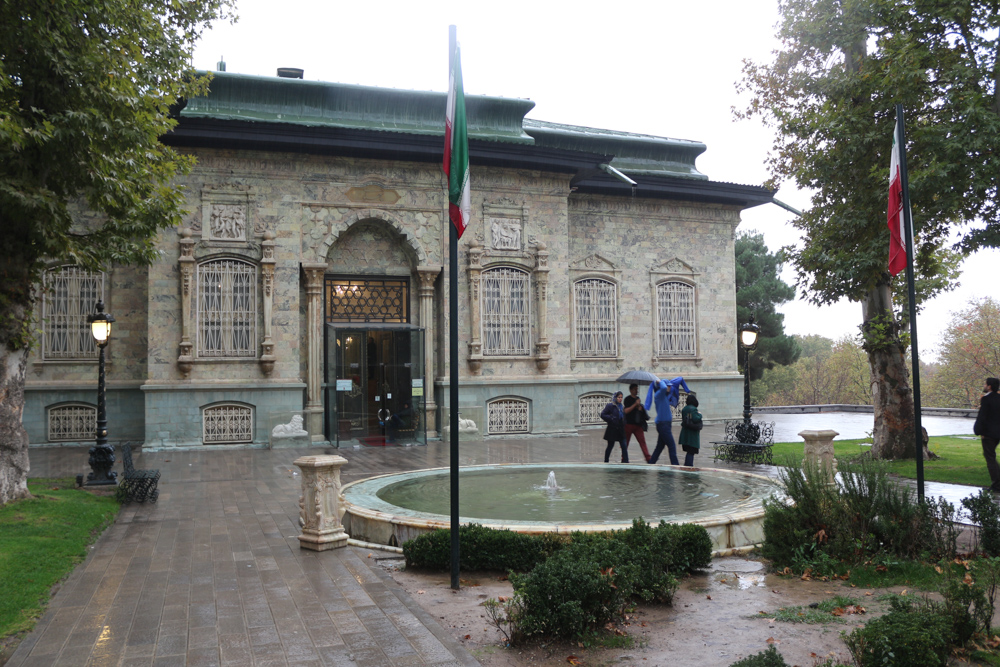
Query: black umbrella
x=638, y=377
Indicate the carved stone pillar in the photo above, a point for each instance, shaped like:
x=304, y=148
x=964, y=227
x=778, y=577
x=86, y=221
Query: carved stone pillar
x=428, y=275
x=818, y=450
x=475, y=272
x=267, y=277
x=321, y=503
x=185, y=358
x=314, y=345
x=542, y=291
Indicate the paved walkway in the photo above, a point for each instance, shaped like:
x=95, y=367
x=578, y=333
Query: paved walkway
x=213, y=574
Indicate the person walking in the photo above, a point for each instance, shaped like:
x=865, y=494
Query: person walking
x=614, y=415
x=987, y=427
x=665, y=395
x=636, y=419
x=691, y=424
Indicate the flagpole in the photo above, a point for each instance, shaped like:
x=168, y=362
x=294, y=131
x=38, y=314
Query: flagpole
x=453, y=359
x=911, y=291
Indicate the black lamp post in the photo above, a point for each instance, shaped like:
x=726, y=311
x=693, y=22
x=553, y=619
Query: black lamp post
x=749, y=333
x=102, y=455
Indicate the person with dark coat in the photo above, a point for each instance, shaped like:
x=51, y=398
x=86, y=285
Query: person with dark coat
x=691, y=423
x=614, y=415
x=987, y=427
x=635, y=419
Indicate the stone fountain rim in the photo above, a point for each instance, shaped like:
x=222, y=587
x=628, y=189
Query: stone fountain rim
x=426, y=523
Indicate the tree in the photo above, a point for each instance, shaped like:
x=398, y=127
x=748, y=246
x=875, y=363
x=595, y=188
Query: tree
x=85, y=91
x=759, y=289
x=970, y=353
x=830, y=93
x=826, y=372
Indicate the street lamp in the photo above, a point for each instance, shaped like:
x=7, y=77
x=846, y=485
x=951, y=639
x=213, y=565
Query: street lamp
x=102, y=455
x=749, y=333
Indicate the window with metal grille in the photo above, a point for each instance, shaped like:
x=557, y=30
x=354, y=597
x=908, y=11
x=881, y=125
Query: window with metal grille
x=596, y=311
x=507, y=415
x=675, y=327
x=71, y=293
x=226, y=424
x=227, y=309
x=591, y=406
x=71, y=423
x=506, y=313
x=367, y=299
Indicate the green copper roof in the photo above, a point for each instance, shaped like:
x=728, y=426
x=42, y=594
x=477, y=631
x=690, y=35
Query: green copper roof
x=337, y=105
x=321, y=104
x=636, y=154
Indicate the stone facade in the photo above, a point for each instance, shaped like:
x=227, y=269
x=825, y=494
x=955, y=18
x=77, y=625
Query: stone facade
x=293, y=218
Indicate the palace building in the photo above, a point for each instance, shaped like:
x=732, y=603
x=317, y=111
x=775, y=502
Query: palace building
x=305, y=296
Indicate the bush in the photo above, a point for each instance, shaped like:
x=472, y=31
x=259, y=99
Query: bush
x=912, y=635
x=768, y=658
x=481, y=548
x=864, y=516
x=984, y=511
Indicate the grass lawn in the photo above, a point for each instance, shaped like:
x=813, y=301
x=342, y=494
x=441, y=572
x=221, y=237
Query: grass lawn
x=961, y=459
x=41, y=539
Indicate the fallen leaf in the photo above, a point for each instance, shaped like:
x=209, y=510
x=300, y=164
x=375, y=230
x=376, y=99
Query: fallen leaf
x=772, y=640
x=903, y=592
x=468, y=637
x=708, y=597
x=967, y=580
x=937, y=568
x=771, y=620
x=573, y=660
x=369, y=555
x=775, y=590
x=837, y=612
x=994, y=643
x=420, y=592
x=503, y=598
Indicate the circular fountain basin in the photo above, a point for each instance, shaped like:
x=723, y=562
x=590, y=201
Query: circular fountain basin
x=591, y=497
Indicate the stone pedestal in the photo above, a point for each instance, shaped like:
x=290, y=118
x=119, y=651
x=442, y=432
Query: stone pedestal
x=320, y=505
x=818, y=450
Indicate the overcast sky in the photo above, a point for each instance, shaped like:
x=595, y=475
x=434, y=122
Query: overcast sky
x=664, y=68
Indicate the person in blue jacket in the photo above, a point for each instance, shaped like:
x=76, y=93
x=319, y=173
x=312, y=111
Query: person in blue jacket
x=614, y=415
x=666, y=395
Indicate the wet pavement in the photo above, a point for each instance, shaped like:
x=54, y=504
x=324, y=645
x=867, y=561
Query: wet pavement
x=212, y=574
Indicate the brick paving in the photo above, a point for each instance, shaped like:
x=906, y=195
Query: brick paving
x=213, y=574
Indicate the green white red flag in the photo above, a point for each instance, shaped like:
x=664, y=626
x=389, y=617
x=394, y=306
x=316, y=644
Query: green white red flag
x=456, y=149
x=897, y=232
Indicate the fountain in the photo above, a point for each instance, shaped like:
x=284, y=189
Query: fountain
x=391, y=509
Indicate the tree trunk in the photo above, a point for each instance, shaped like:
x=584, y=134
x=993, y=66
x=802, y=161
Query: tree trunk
x=13, y=437
x=892, y=397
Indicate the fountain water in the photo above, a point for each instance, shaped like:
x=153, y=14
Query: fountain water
x=392, y=509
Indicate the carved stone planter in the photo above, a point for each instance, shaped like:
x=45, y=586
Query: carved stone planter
x=320, y=504
x=818, y=450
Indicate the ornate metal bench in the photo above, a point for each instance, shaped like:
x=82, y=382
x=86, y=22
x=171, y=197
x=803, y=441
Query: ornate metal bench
x=137, y=485
x=746, y=442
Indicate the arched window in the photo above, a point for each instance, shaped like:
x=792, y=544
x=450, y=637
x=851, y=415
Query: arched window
x=506, y=312
x=507, y=415
x=227, y=309
x=675, y=323
x=70, y=294
x=227, y=423
x=595, y=307
x=591, y=406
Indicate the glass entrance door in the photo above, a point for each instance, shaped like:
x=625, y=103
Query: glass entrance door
x=374, y=386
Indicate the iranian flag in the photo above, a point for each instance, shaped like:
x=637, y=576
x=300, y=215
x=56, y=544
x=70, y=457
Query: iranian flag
x=456, y=149
x=897, y=234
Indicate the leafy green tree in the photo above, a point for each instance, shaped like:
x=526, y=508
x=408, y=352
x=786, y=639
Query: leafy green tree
x=830, y=94
x=827, y=372
x=85, y=91
x=970, y=353
x=759, y=290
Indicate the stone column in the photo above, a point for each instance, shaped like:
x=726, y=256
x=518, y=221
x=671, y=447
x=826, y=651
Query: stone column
x=818, y=450
x=314, y=345
x=185, y=358
x=542, y=289
x=320, y=506
x=475, y=273
x=267, y=278
x=428, y=275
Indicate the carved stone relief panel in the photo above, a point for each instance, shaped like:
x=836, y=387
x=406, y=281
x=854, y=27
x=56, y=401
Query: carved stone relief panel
x=225, y=215
x=504, y=225
x=505, y=233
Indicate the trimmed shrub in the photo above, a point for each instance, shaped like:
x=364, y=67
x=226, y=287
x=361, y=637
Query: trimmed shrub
x=481, y=548
x=984, y=512
x=912, y=635
x=768, y=658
